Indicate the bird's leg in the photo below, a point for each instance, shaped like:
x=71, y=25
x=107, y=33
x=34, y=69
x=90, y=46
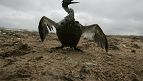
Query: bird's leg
x=77, y=49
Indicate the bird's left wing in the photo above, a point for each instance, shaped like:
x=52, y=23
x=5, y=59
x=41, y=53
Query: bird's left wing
x=43, y=24
x=94, y=32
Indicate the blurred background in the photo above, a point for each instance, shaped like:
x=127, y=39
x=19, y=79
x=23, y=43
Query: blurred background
x=116, y=17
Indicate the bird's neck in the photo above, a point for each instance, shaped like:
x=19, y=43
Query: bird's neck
x=70, y=12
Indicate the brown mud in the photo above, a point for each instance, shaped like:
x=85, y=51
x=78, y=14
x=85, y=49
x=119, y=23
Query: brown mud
x=23, y=57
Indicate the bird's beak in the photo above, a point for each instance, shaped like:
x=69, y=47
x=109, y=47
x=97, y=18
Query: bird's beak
x=74, y=2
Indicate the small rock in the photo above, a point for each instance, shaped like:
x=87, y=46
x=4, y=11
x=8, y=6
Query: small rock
x=124, y=46
x=110, y=63
x=90, y=64
x=18, y=38
x=4, y=33
x=39, y=58
x=12, y=59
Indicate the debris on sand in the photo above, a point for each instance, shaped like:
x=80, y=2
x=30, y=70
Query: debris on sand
x=136, y=46
x=113, y=47
x=15, y=49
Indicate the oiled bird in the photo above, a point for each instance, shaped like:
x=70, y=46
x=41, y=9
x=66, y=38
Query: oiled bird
x=69, y=30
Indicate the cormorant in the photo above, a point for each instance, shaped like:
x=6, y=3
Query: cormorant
x=69, y=31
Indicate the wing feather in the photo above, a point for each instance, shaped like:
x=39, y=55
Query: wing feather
x=43, y=30
x=94, y=32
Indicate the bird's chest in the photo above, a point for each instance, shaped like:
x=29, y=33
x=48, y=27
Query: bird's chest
x=69, y=28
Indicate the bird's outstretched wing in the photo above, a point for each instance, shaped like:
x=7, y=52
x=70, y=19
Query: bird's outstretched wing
x=43, y=30
x=94, y=32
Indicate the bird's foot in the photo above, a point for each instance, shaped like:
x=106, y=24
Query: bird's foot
x=79, y=50
x=60, y=47
x=55, y=48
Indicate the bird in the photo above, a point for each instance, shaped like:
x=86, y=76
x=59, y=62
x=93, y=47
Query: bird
x=69, y=30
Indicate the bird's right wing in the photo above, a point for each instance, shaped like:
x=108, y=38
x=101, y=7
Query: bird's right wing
x=43, y=30
x=94, y=32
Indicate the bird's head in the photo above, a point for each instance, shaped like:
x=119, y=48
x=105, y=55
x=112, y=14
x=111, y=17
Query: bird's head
x=67, y=2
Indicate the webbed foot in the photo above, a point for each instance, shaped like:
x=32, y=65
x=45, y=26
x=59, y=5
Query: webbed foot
x=79, y=50
x=60, y=47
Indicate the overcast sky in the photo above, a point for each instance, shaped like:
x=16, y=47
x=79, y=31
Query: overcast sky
x=114, y=16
